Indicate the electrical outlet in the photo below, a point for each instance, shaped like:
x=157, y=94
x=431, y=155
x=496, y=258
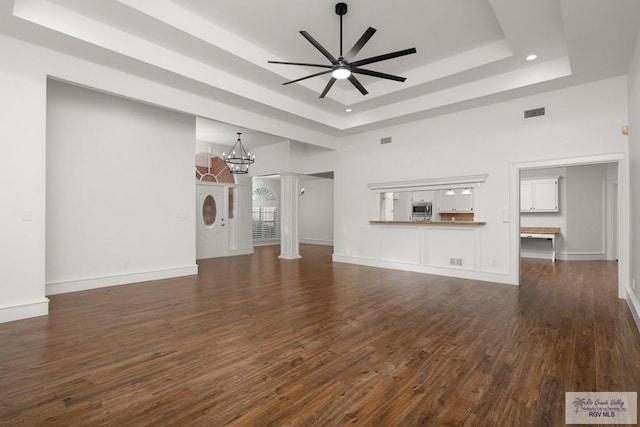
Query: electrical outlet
x=458, y=261
x=452, y=261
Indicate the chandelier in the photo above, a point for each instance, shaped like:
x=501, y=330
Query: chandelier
x=238, y=159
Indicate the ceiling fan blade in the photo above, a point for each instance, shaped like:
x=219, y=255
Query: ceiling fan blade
x=318, y=46
x=300, y=63
x=357, y=84
x=360, y=43
x=383, y=57
x=377, y=74
x=327, y=87
x=307, y=77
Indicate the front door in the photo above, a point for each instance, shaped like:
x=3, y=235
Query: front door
x=212, y=236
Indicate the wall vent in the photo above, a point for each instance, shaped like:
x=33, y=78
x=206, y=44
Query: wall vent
x=386, y=140
x=535, y=112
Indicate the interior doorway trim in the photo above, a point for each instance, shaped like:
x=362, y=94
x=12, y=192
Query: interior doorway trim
x=624, y=214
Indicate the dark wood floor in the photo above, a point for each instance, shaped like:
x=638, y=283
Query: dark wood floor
x=254, y=340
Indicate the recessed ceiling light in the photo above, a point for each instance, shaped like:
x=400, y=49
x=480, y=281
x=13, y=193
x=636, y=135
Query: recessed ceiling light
x=532, y=57
x=348, y=110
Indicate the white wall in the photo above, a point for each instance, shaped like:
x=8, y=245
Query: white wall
x=315, y=212
x=581, y=121
x=272, y=159
x=22, y=186
x=634, y=160
x=586, y=197
x=120, y=191
x=23, y=76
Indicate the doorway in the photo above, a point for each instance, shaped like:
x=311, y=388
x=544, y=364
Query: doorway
x=620, y=211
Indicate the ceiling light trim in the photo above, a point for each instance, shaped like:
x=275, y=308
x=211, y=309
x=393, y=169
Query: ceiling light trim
x=539, y=73
x=57, y=18
x=190, y=23
x=465, y=61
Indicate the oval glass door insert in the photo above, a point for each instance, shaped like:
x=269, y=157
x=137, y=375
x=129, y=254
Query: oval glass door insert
x=209, y=211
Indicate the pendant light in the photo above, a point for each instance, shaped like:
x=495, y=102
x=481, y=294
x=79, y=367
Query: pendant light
x=238, y=159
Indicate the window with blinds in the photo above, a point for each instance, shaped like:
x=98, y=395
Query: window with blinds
x=265, y=223
x=265, y=215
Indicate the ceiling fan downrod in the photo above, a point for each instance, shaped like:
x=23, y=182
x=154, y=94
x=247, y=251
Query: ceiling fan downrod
x=341, y=10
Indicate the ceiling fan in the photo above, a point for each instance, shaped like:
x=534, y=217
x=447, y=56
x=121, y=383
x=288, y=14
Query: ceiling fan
x=344, y=67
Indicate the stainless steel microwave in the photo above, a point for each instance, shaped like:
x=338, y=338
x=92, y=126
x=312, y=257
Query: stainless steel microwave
x=421, y=211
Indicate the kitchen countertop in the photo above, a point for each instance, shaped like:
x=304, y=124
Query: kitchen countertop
x=428, y=222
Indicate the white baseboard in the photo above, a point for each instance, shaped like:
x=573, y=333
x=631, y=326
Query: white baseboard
x=586, y=256
x=24, y=311
x=244, y=251
x=566, y=256
x=495, y=277
x=634, y=306
x=120, y=279
x=266, y=242
x=301, y=240
x=309, y=241
x=537, y=255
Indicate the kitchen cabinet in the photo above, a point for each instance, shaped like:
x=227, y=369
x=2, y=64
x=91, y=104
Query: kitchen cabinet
x=539, y=195
x=454, y=203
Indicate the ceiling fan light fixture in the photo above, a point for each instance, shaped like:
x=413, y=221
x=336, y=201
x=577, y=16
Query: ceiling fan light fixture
x=341, y=73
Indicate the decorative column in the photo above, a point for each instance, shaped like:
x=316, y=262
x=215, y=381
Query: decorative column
x=289, y=244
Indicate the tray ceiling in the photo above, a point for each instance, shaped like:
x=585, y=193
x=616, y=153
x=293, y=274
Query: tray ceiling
x=469, y=52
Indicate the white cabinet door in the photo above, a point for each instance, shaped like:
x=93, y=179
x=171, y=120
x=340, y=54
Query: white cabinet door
x=546, y=195
x=539, y=195
x=526, y=196
x=456, y=203
x=445, y=203
x=464, y=202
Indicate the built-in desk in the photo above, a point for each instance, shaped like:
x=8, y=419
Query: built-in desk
x=548, y=233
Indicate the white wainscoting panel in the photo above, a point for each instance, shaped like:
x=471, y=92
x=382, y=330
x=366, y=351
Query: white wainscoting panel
x=441, y=245
x=400, y=244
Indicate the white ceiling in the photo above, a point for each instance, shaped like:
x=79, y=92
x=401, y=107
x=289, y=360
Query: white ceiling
x=469, y=52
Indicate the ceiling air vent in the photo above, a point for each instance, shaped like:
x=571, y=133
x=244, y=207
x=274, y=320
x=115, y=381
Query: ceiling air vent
x=386, y=140
x=536, y=112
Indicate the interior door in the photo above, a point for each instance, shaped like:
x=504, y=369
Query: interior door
x=212, y=237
